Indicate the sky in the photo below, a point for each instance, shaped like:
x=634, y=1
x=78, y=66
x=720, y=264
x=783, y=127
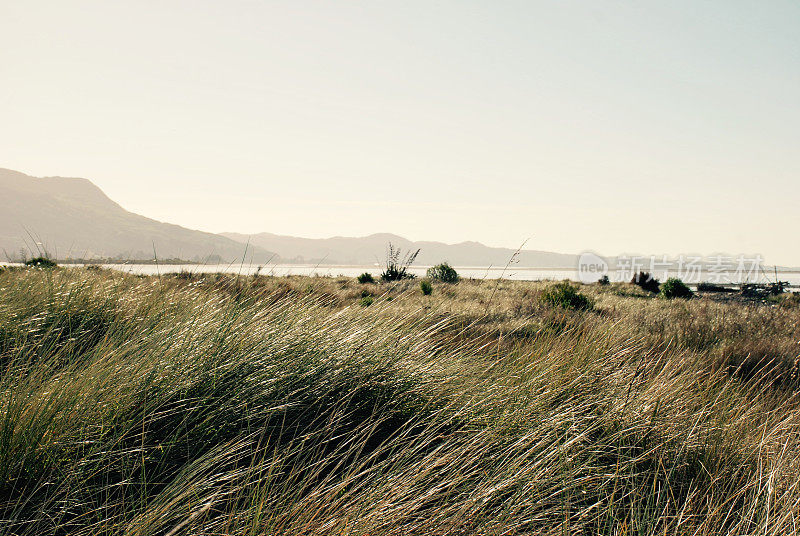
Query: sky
x=617, y=127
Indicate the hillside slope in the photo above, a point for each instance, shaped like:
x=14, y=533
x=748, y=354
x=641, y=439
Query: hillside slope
x=71, y=217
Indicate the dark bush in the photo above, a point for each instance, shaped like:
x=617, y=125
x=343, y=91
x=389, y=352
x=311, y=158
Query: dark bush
x=397, y=266
x=675, y=288
x=603, y=281
x=761, y=291
x=777, y=288
x=426, y=287
x=365, y=278
x=41, y=262
x=443, y=272
x=711, y=287
x=647, y=282
x=565, y=295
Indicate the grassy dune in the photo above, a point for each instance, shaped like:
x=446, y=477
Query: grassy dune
x=224, y=405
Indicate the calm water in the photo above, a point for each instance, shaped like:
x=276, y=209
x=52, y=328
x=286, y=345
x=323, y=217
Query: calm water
x=525, y=274
x=337, y=270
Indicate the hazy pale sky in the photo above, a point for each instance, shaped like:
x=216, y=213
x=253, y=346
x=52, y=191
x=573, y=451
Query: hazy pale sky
x=650, y=127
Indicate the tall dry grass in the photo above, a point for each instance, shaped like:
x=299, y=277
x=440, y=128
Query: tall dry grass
x=226, y=405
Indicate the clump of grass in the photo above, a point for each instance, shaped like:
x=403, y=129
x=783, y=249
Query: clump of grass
x=365, y=278
x=397, y=265
x=443, y=272
x=186, y=275
x=675, y=288
x=646, y=282
x=41, y=262
x=789, y=300
x=567, y=296
x=625, y=290
x=366, y=301
x=426, y=287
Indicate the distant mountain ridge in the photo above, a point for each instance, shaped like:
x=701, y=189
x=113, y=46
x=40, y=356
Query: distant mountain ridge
x=73, y=218
x=371, y=249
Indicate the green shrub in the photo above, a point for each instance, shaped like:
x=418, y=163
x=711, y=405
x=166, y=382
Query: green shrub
x=675, y=288
x=41, y=262
x=426, y=287
x=443, y=272
x=603, y=281
x=366, y=301
x=365, y=278
x=565, y=295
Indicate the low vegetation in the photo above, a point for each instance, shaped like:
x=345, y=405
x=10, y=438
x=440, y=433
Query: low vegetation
x=398, y=264
x=443, y=272
x=41, y=262
x=675, y=288
x=231, y=405
x=705, y=286
x=646, y=282
x=426, y=287
x=365, y=278
x=565, y=295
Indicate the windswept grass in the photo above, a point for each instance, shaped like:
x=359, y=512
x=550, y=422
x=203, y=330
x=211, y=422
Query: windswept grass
x=217, y=404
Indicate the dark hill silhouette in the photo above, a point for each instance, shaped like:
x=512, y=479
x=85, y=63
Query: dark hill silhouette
x=73, y=218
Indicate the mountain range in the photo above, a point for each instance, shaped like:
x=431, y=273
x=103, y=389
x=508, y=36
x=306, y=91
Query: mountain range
x=72, y=218
x=372, y=249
